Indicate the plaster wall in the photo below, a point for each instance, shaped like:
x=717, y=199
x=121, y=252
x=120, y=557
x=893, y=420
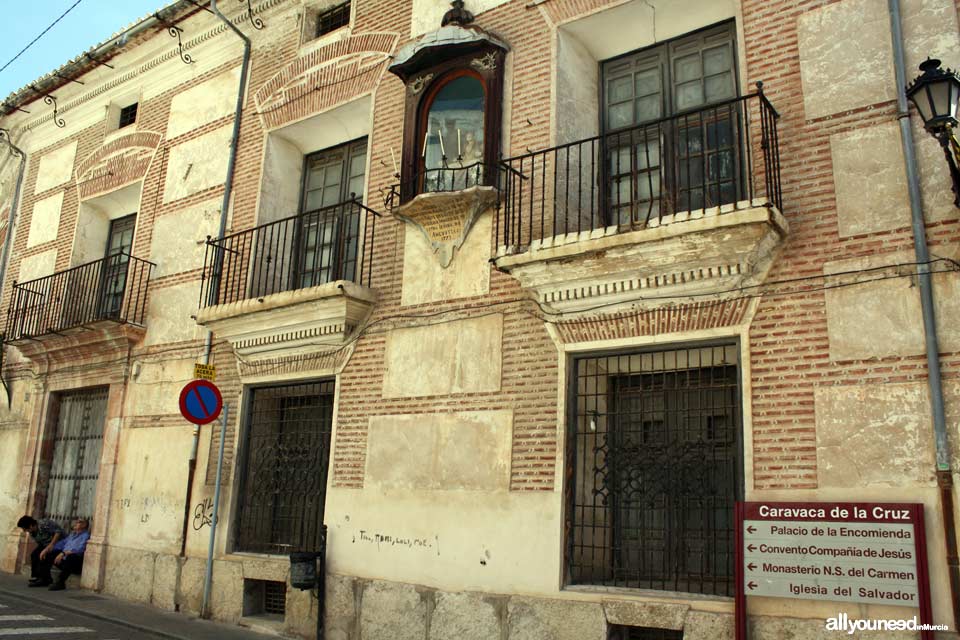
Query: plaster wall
x=882, y=317
x=468, y=275
x=418, y=361
x=179, y=238
x=167, y=311
x=201, y=104
x=45, y=220
x=37, y=266
x=149, y=489
x=198, y=164
x=56, y=167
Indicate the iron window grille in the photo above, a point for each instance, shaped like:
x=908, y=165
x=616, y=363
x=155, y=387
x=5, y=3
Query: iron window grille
x=128, y=115
x=333, y=18
x=655, y=452
x=284, y=468
x=275, y=598
x=623, y=632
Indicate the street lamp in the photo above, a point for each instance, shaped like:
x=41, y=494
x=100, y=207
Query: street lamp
x=936, y=94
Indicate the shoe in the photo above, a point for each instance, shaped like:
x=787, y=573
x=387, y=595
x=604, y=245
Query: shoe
x=40, y=583
x=58, y=586
x=33, y=580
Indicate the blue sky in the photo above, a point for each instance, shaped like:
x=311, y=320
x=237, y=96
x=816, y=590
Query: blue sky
x=89, y=23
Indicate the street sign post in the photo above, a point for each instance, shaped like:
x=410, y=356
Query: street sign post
x=200, y=402
x=843, y=552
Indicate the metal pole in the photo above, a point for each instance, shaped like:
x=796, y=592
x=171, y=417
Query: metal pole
x=938, y=412
x=208, y=578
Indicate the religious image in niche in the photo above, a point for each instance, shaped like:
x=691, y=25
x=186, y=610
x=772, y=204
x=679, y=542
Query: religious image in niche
x=453, y=145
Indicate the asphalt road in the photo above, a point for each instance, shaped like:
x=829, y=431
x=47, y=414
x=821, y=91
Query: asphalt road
x=20, y=619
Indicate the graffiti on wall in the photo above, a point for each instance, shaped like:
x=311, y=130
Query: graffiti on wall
x=203, y=514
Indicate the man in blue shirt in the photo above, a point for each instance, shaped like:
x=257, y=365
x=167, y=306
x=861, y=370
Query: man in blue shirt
x=70, y=556
x=46, y=533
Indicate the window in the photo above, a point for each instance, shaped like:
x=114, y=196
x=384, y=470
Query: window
x=128, y=115
x=655, y=452
x=454, y=134
x=667, y=149
x=333, y=18
x=116, y=261
x=283, y=474
x=329, y=230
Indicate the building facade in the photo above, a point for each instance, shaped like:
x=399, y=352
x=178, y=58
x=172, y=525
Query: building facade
x=509, y=302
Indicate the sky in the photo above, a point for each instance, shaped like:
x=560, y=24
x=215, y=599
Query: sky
x=87, y=24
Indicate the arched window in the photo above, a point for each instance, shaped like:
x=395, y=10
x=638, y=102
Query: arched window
x=452, y=121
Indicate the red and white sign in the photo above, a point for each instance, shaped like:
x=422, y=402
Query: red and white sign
x=843, y=552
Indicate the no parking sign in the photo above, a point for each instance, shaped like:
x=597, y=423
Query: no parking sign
x=200, y=402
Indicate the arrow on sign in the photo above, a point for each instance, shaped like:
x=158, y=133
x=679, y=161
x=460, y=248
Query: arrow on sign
x=752, y=585
x=751, y=529
x=751, y=566
x=751, y=548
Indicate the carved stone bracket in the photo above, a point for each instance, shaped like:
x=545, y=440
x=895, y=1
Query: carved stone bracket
x=445, y=218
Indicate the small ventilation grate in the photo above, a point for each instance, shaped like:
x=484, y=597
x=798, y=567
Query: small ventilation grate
x=275, y=598
x=622, y=632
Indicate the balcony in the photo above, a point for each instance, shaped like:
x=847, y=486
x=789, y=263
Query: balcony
x=291, y=287
x=685, y=205
x=104, y=301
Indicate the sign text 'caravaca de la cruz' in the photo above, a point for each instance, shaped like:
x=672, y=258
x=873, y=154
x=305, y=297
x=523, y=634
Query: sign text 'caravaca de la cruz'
x=844, y=552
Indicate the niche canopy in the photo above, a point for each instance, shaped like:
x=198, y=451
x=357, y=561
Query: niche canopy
x=451, y=142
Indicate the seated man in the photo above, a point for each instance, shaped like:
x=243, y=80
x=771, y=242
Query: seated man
x=71, y=548
x=46, y=533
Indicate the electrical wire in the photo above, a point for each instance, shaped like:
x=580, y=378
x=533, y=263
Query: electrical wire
x=548, y=315
x=42, y=33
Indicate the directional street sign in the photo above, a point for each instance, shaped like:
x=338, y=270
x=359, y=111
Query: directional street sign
x=842, y=552
x=200, y=401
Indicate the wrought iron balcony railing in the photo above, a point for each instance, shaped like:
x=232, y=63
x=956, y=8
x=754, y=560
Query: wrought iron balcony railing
x=456, y=176
x=309, y=249
x=721, y=157
x=112, y=288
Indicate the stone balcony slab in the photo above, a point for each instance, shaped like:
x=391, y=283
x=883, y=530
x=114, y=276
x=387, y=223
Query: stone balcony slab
x=689, y=255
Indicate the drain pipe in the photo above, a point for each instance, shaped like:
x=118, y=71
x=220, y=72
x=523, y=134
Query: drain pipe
x=944, y=476
x=17, y=151
x=227, y=192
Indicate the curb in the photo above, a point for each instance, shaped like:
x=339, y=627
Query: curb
x=90, y=614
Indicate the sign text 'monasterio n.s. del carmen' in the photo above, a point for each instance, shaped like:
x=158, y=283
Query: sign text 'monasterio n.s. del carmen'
x=846, y=552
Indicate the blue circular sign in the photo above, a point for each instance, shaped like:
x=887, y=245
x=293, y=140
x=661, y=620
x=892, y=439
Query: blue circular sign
x=200, y=402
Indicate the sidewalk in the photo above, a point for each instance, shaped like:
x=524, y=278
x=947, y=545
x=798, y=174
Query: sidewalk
x=164, y=624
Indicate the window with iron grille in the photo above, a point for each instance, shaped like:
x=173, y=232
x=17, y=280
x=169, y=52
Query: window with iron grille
x=128, y=115
x=333, y=18
x=284, y=468
x=654, y=449
x=622, y=632
x=266, y=598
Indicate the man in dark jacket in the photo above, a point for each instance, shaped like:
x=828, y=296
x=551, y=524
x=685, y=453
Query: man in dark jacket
x=46, y=533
